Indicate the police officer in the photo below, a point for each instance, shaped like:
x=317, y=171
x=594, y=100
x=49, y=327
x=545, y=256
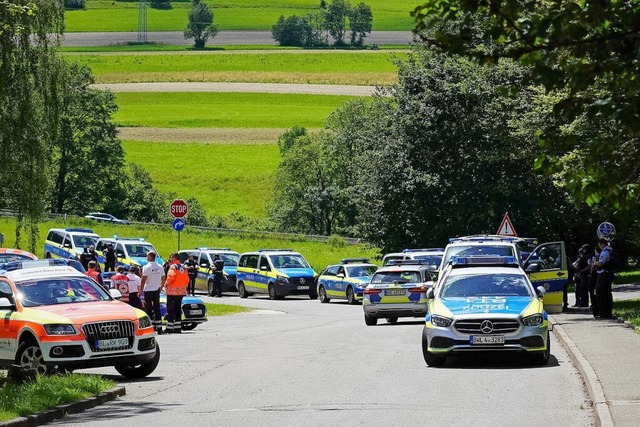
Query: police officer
x=605, y=279
x=192, y=268
x=582, y=276
x=84, y=258
x=109, y=258
x=218, y=275
x=176, y=288
x=93, y=256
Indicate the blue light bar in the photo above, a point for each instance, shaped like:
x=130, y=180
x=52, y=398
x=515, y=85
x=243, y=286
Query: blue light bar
x=354, y=260
x=483, y=239
x=80, y=230
x=480, y=260
x=205, y=248
x=275, y=250
x=424, y=250
x=139, y=239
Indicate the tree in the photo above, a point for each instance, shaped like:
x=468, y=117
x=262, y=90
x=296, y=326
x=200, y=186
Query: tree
x=143, y=202
x=587, y=54
x=200, y=26
x=336, y=19
x=88, y=161
x=29, y=105
x=360, y=22
x=292, y=31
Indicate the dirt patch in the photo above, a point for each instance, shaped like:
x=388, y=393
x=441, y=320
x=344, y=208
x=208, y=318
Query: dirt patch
x=249, y=136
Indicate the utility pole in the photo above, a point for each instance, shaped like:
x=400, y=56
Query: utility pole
x=142, y=22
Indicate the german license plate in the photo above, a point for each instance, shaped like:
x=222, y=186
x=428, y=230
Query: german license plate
x=112, y=343
x=487, y=339
x=302, y=288
x=196, y=312
x=195, y=305
x=395, y=292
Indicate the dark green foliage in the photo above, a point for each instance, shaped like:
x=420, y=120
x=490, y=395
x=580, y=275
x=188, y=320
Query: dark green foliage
x=288, y=139
x=161, y=4
x=360, y=23
x=200, y=26
x=142, y=201
x=197, y=215
x=74, y=4
x=292, y=31
x=336, y=15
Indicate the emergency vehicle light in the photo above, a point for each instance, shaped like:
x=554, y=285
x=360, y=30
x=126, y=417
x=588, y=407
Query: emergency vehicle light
x=275, y=250
x=353, y=260
x=116, y=237
x=424, y=250
x=205, y=248
x=80, y=230
x=482, y=239
x=483, y=260
x=408, y=262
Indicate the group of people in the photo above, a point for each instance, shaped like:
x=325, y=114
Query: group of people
x=594, y=270
x=218, y=275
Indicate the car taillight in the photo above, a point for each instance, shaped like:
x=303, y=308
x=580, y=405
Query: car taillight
x=418, y=290
x=370, y=291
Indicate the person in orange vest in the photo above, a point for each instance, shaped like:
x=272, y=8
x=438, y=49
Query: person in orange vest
x=94, y=273
x=120, y=282
x=175, y=286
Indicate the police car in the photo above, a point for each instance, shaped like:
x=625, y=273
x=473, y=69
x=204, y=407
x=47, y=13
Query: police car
x=485, y=303
x=56, y=318
x=204, y=256
x=397, y=290
x=346, y=280
x=129, y=251
x=432, y=256
x=68, y=242
x=276, y=272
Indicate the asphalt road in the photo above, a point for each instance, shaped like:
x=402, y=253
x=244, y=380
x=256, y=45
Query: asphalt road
x=380, y=38
x=316, y=364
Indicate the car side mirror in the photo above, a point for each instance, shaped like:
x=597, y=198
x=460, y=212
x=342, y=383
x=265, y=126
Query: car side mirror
x=120, y=254
x=533, y=268
x=6, y=304
x=264, y=268
x=115, y=294
x=340, y=276
x=430, y=294
x=540, y=290
x=204, y=265
x=67, y=245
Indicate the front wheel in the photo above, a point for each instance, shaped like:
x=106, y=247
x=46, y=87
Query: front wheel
x=351, y=297
x=189, y=326
x=313, y=295
x=142, y=370
x=29, y=356
x=210, y=288
x=541, y=358
x=370, y=321
x=242, y=290
x=272, y=292
x=430, y=358
x=322, y=292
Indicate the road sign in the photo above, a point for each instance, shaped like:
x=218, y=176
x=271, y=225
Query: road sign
x=178, y=224
x=606, y=231
x=179, y=208
x=506, y=227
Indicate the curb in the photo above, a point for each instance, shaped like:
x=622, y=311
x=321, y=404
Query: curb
x=594, y=387
x=62, y=410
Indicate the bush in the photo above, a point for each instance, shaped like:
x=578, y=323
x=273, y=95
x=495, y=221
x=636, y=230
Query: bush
x=292, y=31
x=74, y=4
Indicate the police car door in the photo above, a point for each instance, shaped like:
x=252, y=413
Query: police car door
x=204, y=264
x=547, y=266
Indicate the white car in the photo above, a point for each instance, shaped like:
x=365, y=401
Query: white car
x=105, y=217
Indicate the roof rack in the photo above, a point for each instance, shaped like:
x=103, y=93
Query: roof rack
x=424, y=250
x=275, y=250
x=205, y=248
x=353, y=260
x=484, y=260
x=80, y=230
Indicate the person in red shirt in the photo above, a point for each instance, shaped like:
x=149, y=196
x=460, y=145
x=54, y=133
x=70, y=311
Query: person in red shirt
x=120, y=282
x=176, y=288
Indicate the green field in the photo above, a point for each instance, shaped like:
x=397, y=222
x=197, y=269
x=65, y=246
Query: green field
x=225, y=178
x=165, y=240
x=101, y=15
x=226, y=110
x=161, y=47
x=326, y=67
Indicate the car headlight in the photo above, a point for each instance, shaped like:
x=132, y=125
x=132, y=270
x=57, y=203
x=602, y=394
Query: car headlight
x=60, y=329
x=283, y=279
x=440, y=321
x=533, y=320
x=144, y=322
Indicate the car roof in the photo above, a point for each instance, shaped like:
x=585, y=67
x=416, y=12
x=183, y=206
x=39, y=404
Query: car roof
x=126, y=240
x=478, y=270
x=17, y=252
x=211, y=251
x=271, y=252
x=79, y=231
x=403, y=267
x=43, y=272
x=354, y=264
x=488, y=242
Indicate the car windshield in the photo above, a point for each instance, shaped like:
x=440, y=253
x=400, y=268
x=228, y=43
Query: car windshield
x=478, y=285
x=13, y=257
x=473, y=250
x=84, y=241
x=288, y=261
x=396, y=276
x=63, y=290
x=430, y=259
x=361, y=270
x=229, y=259
x=139, y=250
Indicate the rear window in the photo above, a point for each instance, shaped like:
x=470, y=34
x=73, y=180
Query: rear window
x=396, y=277
x=63, y=290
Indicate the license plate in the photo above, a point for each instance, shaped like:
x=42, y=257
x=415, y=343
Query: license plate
x=302, y=288
x=395, y=292
x=195, y=305
x=196, y=312
x=112, y=343
x=487, y=339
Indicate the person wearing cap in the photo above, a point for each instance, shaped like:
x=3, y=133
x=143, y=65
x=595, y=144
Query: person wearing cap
x=152, y=278
x=192, y=268
x=109, y=254
x=133, y=282
x=176, y=288
x=605, y=279
x=218, y=276
x=120, y=281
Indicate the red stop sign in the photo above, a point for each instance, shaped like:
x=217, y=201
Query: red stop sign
x=179, y=208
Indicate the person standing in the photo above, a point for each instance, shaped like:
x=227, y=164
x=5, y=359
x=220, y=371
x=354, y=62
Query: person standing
x=593, y=279
x=582, y=276
x=218, y=275
x=94, y=273
x=84, y=258
x=134, y=282
x=93, y=256
x=152, y=278
x=176, y=287
x=192, y=268
x=605, y=279
x=109, y=254
x=120, y=281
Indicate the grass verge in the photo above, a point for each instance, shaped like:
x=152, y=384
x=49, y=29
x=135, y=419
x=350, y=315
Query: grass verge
x=153, y=47
x=17, y=400
x=225, y=309
x=226, y=110
x=629, y=310
x=626, y=277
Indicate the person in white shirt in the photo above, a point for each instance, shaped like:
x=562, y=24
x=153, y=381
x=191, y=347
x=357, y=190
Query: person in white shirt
x=133, y=281
x=153, y=277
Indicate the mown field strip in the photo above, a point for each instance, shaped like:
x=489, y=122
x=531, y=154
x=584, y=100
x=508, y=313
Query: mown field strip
x=224, y=110
x=225, y=178
x=101, y=15
x=311, y=89
x=219, y=136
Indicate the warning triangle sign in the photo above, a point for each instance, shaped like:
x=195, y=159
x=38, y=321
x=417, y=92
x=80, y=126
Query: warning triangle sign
x=506, y=227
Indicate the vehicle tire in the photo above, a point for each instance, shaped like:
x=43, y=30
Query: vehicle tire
x=142, y=370
x=370, y=321
x=541, y=358
x=322, y=293
x=351, y=296
x=313, y=295
x=242, y=290
x=392, y=320
x=430, y=358
x=272, y=292
x=210, y=288
x=29, y=355
x=47, y=255
x=189, y=326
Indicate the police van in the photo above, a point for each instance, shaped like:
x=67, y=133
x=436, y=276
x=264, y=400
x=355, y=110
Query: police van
x=68, y=242
x=129, y=251
x=204, y=256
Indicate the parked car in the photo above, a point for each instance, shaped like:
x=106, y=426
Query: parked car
x=105, y=217
x=346, y=280
x=68, y=242
x=204, y=257
x=10, y=255
x=130, y=251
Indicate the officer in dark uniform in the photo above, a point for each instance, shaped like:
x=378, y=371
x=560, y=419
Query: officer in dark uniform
x=218, y=270
x=192, y=268
x=109, y=258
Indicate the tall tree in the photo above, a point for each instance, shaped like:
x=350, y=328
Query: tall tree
x=336, y=15
x=360, y=22
x=200, y=26
x=29, y=104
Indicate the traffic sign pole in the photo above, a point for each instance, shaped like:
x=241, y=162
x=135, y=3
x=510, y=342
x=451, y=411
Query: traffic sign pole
x=178, y=209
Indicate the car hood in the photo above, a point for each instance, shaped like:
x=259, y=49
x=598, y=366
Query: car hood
x=297, y=272
x=364, y=280
x=84, y=312
x=485, y=305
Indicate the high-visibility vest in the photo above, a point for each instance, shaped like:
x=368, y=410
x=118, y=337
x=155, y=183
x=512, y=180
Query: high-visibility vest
x=177, y=280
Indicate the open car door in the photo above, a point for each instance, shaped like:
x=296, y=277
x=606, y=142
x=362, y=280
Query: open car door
x=547, y=266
